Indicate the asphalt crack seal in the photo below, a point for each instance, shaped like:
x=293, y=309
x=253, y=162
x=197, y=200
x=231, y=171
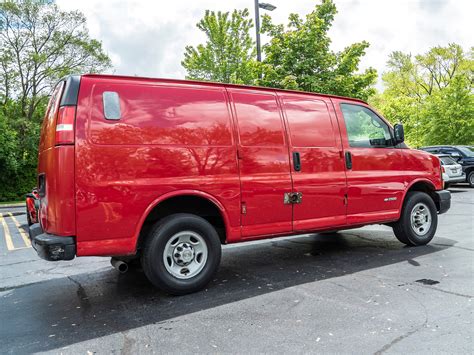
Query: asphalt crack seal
x=427, y=282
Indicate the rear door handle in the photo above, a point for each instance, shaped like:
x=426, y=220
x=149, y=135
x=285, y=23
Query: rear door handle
x=296, y=161
x=348, y=156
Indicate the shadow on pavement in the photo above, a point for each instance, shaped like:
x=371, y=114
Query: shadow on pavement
x=89, y=306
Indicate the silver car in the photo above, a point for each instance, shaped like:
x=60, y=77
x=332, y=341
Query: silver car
x=452, y=171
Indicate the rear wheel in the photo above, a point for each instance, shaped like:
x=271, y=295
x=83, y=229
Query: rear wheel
x=418, y=221
x=181, y=254
x=470, y=179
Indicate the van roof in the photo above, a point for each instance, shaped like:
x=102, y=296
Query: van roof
x=211, y=83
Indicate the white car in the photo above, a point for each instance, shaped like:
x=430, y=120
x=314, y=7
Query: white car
x=452, y=171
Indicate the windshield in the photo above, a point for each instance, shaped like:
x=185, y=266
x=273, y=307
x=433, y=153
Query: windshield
x=447, y=161
x=468, y=152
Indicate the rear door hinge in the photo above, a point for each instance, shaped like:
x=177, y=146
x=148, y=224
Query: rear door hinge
x=292, y=198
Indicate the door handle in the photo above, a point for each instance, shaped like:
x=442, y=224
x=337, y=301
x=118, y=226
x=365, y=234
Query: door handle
x=348, y=156
x=296, y=161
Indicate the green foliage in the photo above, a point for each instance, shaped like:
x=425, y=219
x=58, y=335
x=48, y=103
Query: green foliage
x=300, y=57
x=227, y=55
x=39, y=44
x=431, y=94
x=297, y=58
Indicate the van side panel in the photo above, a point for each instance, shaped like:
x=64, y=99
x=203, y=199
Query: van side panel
x=169, y=138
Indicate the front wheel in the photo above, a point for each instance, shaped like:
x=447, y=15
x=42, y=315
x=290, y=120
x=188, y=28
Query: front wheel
x=181, y=254
x=418, y=220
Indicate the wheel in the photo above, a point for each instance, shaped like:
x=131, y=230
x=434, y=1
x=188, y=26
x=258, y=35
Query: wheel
x=418, y=221
x=470, y=179
x=181, y=254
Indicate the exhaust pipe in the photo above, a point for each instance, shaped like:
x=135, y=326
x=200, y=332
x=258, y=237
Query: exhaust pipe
x=120, y=265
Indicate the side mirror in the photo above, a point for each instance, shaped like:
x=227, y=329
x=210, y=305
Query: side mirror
x=399, y=133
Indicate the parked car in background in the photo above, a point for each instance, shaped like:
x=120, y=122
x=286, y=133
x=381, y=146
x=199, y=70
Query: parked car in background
x=168, y=170
x=462, y=154
x=32, y=206
x=452, y=171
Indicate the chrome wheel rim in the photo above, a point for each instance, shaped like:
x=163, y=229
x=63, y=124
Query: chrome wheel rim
x=185, y=254
x=471, y=179
x=420, y=219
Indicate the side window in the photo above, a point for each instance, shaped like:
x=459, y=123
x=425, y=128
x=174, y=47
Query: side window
x=364, y=128
x=258, y=119
x=309, y=121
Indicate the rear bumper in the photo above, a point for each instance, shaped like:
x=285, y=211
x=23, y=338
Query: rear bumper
x=461, y=178
x=52, y=247
x=443, y=201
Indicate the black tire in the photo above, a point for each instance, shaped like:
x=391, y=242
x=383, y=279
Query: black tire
x=152, y=256
x=470, y=179
x=403, y=229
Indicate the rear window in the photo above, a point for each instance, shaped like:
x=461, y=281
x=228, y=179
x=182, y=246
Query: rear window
x=166, y=115
x=48, y=129
x=447, y=161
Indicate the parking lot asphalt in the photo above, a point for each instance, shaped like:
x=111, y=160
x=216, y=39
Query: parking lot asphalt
x=357, y=291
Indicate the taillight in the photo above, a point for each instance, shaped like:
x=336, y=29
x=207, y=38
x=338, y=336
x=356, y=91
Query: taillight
x=442, y=169
x=65, y=125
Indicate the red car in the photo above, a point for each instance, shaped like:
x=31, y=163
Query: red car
x=168, y=170
x=32, y=205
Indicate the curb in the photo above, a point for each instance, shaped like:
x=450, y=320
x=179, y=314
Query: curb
x=9, y=214
x=13, y=205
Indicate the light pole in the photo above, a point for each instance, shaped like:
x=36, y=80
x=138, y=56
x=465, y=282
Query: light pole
x=258, y=6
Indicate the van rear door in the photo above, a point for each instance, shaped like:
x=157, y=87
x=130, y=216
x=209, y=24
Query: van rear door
x=56, y=160
x=317, y=169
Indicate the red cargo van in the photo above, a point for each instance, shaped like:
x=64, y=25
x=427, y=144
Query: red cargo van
x=168, y=170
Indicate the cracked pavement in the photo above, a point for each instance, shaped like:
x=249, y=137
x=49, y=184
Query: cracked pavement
x=357, y=291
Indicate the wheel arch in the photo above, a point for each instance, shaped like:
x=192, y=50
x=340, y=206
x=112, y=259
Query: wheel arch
x=184, y=201
x=426, y=186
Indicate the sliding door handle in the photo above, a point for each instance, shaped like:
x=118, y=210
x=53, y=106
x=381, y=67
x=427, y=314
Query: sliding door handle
x=296, y=161
x=348, y=156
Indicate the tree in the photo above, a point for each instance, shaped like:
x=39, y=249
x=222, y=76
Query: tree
x=431, y=94
x=227, y=55
x=39, y=44
x=297, y=58
x=300, y=57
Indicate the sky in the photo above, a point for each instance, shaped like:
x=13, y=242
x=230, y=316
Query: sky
x=147, y=38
